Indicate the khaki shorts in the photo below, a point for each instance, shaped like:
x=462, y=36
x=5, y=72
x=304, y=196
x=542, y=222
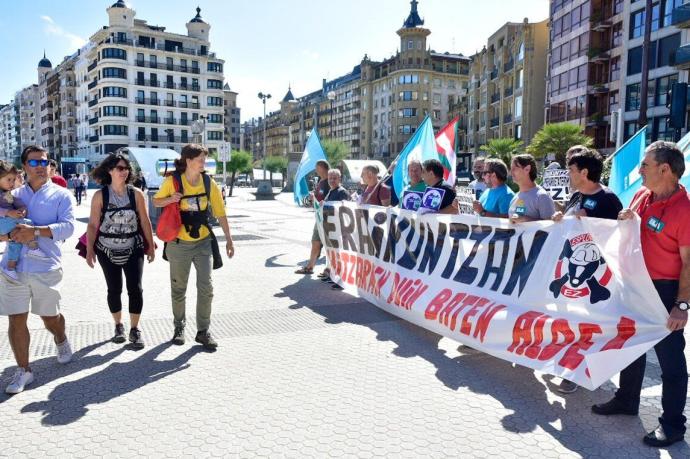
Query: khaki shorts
x=315, y=234
x=35, y=292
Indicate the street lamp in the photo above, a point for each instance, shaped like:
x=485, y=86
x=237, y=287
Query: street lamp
x=581, y=101
x=263, y=98
x=331, y=97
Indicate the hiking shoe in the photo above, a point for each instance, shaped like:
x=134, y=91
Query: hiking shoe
x=136, y=339
x=20, y=380
x=206, y=340
x=178, y=336
x=64, y=351
x=567, y=387
x=119, y=337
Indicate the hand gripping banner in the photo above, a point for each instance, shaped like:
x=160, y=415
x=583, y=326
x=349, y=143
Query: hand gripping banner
x=572, y=299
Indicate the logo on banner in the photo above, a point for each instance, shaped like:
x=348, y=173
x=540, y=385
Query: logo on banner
x=581, y=271
x=412, y=200
x=432, y=198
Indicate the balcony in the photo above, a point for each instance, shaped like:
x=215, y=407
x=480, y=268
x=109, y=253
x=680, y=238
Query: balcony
x=494, y=74
x=194, y=105
x=147, y=101
x=680, y=17
x=93, y=102
x=162, y=47
x=93, y=138
x=599, y=88
x=161, y=138
x=598, y=55
x=93, y=84
x=681, y=57
x=508, y=118
x=93, y=120
x=508, y=66
x=119, y=41
x=508, y=92
x=169, y=67
x=494, y=122
x=184, y=122
x=92, y=66
x=495, y=97
x=152, y=83
x=596, y=119
x=148, y=119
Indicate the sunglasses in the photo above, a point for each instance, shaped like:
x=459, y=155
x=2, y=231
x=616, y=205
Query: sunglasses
x=37, y=162
x=122, y=168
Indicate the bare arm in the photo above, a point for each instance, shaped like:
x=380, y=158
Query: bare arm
x=93, y=227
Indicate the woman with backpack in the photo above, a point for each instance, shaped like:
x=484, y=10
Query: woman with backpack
x=119, y=234
x=198, y=197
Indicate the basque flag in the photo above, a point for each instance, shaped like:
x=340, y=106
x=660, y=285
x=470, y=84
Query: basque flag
x=312, y=153
x=445, y=146
x=421, y=146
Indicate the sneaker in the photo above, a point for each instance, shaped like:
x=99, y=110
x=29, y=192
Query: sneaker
x=206, y=340
x=178, y=336
x=64, y=351
x=119, y=337
x=20, y=380
x=336, y=287
x=11, y=273
x=136, y=339
x=567, y=387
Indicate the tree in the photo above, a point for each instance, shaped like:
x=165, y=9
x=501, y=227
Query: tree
x=335, y=151
x=240, y=161
x=556, y=138
x=503, y=148
x=276, y=164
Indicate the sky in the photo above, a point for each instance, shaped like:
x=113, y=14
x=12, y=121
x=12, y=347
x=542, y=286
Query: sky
x=266, y=44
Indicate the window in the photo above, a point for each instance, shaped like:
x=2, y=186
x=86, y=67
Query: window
x=637, y=21
x=632, y=97
x=407, y=96
x=410, y=44
x=215, y=118
x=407, y=112
x=518, y=106
x=214, y=101
x=451, y=84
x=169, y=63
x=669, y=6
x=113, y=129
x=114, y=53
x=114, y=111
x=666, y=49
x=635, y=58
x=437, y=82
x=114, y=72
x=519, y=80
x=408, y=79
x=615, y=69
x=141, y=115
x=215, y=67
x=518, y=131
x=114, y=91
x=140, y=97
x=521, y=52
x=437, y=99
x=406, y=129
x=214, y=135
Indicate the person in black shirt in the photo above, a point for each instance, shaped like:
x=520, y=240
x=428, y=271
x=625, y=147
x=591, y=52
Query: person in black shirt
x=592, y=199
x=336, y=192
x=432, y=174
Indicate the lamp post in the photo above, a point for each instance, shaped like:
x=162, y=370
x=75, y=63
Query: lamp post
x=581, y=102
x=263, y=98
x=331, y=97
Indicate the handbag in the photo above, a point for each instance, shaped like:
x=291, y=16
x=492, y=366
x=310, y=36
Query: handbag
x=170, y=221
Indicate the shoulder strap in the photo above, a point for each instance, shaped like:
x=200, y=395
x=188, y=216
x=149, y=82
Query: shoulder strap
x=177, y=182
x=105, y=198
x=207, y=187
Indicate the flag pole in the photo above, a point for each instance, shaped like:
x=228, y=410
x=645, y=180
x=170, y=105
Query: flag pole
x=609, y=158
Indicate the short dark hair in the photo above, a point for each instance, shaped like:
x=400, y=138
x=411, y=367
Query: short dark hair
x=668, y=153
x=101, y=174
x=498, y=167
x=525, y=160
x=590, y=160
x=324, y=164
x=52, y=163
x=434, y=166
x=575, y=149
x=31, y=149
x=189, y=151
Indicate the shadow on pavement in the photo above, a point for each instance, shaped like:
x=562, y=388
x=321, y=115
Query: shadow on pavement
x=515, y=387
x=69, y=401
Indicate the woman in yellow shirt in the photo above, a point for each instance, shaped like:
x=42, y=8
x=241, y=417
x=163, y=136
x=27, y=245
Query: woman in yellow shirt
x=194, y=241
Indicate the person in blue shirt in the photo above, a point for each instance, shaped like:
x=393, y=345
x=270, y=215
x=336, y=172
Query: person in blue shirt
x=37, y=288
x=495, y=200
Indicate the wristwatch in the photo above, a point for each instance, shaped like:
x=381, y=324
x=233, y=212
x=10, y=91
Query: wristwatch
x=682, y=305
x=37, y=233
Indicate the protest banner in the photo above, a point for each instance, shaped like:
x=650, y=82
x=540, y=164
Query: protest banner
x=557, y=183
x=572, y=299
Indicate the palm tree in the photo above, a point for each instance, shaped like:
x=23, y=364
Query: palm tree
x=335, y=151
x=556, y=138
x=503, y=148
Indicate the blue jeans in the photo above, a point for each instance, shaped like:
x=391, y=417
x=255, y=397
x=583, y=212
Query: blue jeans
x=674, y=372
x=7, y=224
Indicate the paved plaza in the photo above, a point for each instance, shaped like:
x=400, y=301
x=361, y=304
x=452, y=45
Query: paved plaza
x=301, y=371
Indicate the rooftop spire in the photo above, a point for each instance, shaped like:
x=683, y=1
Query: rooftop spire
x=413, y=20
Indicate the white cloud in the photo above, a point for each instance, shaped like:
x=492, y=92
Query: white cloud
x=53, y=30
x=310, y=54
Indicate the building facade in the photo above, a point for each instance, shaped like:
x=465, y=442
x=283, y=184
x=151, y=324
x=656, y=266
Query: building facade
x=9, y=132
x=506, y=89
x=231, y=117
x=27, y=103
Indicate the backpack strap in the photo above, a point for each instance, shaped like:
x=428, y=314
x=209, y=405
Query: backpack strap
x=105, y=195
x=133, y=202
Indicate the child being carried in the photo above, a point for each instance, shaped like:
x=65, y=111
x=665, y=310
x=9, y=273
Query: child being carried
x=12, y=213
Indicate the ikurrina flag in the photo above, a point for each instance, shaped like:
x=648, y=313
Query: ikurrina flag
x=445, y=146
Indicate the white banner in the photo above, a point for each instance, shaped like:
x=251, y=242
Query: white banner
x=557, y=183
x=572, y=299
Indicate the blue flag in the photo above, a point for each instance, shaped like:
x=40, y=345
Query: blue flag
x=625, y=178
x=684, y=145
x=421, y=146
x=312, y=153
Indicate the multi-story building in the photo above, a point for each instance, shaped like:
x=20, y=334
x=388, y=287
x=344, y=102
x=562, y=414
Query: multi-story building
x=231, y=113
x=147, y=87
x=376, y=108
x=506, y=89
x=665, y=40
x=27, y=103
x=9, y=131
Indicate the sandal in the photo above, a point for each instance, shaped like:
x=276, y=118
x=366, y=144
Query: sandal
x=304, y=270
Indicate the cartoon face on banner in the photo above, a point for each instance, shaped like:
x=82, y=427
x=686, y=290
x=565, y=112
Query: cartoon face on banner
x=581, y=271
x=412, y=200
x=432, y=198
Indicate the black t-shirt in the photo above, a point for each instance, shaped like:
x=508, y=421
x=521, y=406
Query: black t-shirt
x=339, y=194
x=448, y=196
x=602, y=204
